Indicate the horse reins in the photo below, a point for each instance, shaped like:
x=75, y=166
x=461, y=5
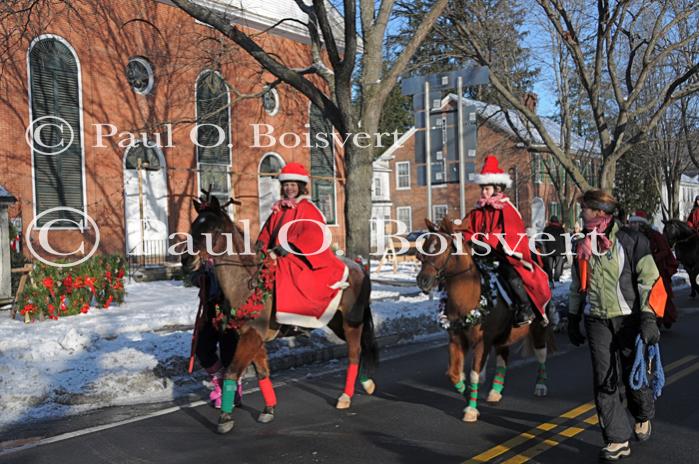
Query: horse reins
x=440, y=270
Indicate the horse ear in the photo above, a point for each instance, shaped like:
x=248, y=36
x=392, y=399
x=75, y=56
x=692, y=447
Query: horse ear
x=197, y=205
x=431, y=226
x=214, y=203
x=447, y=225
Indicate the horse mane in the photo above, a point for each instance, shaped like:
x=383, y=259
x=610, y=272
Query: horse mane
x=238, y=235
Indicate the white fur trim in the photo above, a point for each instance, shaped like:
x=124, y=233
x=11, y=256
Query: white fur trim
x=311, y=322
x=638, y=219
x=293, y=177
x=485, y=179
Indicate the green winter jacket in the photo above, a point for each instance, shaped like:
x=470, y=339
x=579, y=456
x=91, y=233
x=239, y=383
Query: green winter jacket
x=620, y=282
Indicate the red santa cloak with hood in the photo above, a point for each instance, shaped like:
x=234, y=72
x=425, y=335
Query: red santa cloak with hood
x=308, y=284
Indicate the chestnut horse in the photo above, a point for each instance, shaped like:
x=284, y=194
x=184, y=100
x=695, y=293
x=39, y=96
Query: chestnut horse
x=235, y=271
x=442, y=263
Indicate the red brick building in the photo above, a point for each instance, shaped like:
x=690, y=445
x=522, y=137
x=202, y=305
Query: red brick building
x=532, y=191
x=144, y=66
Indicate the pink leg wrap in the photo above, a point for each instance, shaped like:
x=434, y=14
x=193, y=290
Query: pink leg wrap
x=268, y=392
x=352, y=371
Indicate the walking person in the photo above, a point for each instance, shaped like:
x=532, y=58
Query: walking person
x=555, y=250
x=664, y=260
x=617, y=309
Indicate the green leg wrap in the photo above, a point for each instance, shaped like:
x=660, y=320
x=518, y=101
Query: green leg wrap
x=229, y=387
x=460, y=387
x=363, y=378
x=541, y=376
x=473, y=395
x=499, y=380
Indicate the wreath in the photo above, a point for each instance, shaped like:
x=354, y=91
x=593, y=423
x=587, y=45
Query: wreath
x=262, y=288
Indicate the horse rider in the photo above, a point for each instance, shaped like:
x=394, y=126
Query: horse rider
x=693, y=218
x=664, y=260
x=616, y=284
x=309, y=273
x=495, y=215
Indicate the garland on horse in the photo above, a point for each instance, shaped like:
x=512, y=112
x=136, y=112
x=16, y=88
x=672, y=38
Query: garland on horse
x=213, y=237
x=477, y=313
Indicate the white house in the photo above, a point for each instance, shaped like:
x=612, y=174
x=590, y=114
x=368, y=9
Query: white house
x=380, y=194
x=689, y=189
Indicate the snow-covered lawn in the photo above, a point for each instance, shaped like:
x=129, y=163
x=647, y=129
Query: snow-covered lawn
x=137, y=352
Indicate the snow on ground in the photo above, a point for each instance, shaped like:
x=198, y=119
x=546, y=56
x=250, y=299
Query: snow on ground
x=137, y=352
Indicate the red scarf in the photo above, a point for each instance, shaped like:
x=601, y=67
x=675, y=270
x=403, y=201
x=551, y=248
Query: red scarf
x=497, y=201
x=600, y=225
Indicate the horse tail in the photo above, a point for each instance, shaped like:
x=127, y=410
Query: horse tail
x=370, y=349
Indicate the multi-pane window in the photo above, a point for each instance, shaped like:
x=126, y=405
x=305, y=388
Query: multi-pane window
x=404, y=214
x=438, y=212
x=213, y=134
x=322, y=165
x=57, y=151
x=403, y=175
x=378, y=190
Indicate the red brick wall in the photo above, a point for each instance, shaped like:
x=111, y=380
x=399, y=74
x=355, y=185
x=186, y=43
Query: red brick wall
x=104, y=34
x=490, y=140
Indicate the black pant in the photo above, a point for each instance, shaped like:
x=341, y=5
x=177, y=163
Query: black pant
x=612, y=346
x=210, y=341
x=515, y=284
x=553, y=265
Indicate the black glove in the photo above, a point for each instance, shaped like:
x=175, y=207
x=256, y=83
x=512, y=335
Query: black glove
x=574, y=334
x=650, y=334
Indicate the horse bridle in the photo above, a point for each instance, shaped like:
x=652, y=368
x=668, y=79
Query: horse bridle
x=440, y=270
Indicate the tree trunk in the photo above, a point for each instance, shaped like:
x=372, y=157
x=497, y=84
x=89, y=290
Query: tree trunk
x=607, y=177
x=358, y=162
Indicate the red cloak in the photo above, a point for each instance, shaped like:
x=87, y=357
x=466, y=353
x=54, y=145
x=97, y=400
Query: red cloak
x=693, y=218
x=490, y=221
x=307, y=286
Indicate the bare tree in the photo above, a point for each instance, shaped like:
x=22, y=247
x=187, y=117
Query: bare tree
x=613, y=55
x=336, y=60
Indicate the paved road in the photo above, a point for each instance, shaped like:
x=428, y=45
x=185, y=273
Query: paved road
x=415, y=417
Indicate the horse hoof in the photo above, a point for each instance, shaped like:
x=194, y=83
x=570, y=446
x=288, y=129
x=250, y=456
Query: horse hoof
x=225, y=423
x=266, y=416
x=494, y=397
x=541, y=390
x=471, y=414
x=344, y=401
x=369, y=387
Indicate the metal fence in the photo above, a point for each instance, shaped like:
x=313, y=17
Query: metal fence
x=150, y=253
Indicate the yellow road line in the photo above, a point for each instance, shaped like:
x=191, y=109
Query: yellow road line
x=569, y=432
x=529, y=434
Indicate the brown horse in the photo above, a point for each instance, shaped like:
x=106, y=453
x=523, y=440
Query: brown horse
x=442, y=262
x=352, y=322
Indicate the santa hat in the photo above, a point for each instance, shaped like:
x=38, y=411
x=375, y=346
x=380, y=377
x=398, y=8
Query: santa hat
x=639, y=216
x=491, y=174
x=294, y=172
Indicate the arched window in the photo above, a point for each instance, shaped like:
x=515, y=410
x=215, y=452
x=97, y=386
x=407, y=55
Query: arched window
x=213, y=134
x=268, y=184
x=322, y=165
x=55, y=112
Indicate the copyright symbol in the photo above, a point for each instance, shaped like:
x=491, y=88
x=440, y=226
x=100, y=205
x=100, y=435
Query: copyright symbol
x=49, y=133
